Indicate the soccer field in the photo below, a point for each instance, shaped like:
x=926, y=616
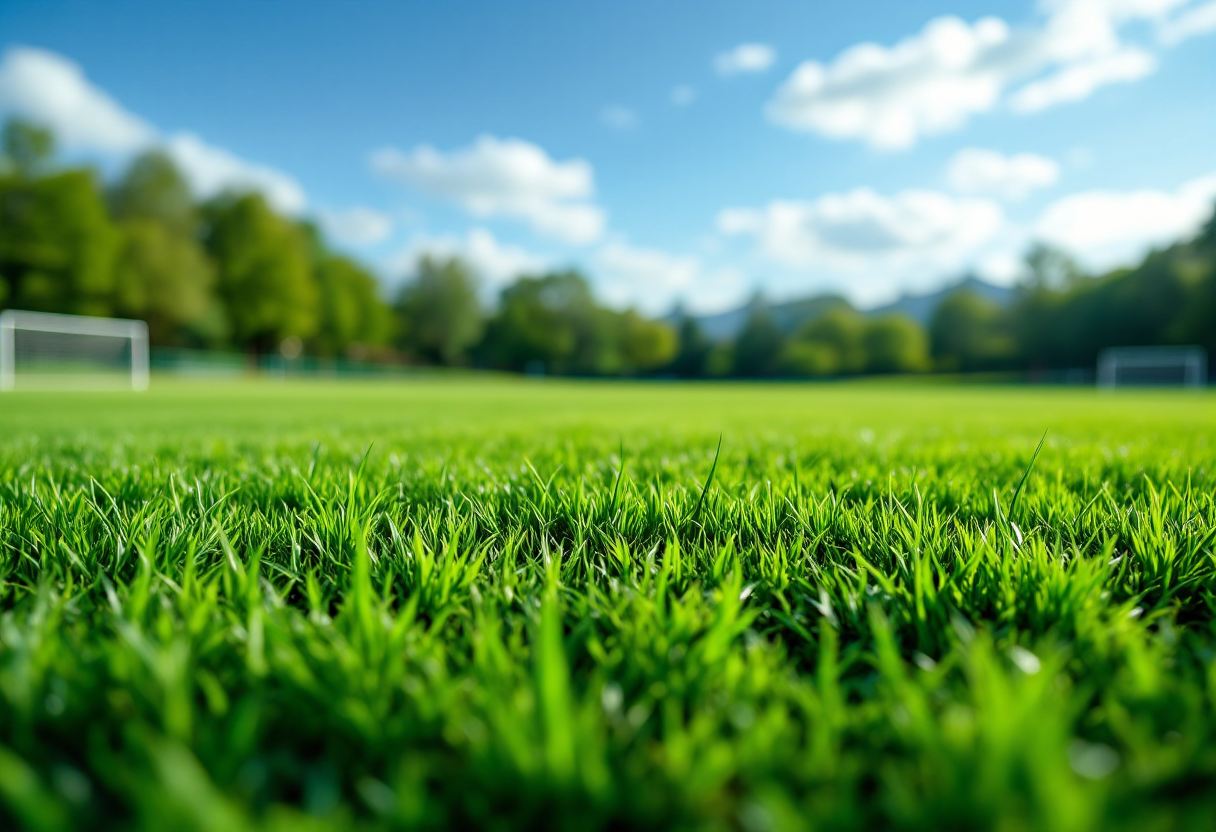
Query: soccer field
x=476, y=602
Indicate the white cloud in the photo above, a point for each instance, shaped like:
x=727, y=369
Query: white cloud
x=1001, y=267
x=628, y=274
x=212, y=170
x=1108, y=228
x=504, y=178
x=1189, y=24
x=494, y=262
x=53, y=91
x=988, y=173
x=929, y=83
x=1079, y=80
x=683, y=95
x=653, y=280
x=746, y=57
x=935, y=80
x=863, y=231
x=357, y=226
x=619, y=118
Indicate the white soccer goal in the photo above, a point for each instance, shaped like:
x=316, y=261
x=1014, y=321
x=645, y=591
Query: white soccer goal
x=39, y=350
x=1153, y=366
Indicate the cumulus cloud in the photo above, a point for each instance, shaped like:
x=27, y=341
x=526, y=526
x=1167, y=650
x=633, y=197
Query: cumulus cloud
x=357, y=226
x=929, y=83
x=935, y=80
x=1189, y=24
x=979, y=172
x=629, y=274
x=504, y=178
x=862, y=229
x=47, y=88
x=212, y=170
x=1078, y=81
x=746, y=57
x=653, y=279
x=494, y=262
x=1108, y=228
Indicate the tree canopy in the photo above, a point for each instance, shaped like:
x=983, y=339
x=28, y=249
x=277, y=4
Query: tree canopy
x=233, y=272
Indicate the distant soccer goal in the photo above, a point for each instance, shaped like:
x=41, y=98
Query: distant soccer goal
x=42, y=351
x=1153, y=366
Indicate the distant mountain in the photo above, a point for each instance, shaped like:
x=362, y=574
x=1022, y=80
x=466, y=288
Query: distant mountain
x=790, y=315
x=921, y=307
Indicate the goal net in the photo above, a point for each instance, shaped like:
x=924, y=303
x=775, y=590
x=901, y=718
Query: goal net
x=39, y=350
x=1153, y=366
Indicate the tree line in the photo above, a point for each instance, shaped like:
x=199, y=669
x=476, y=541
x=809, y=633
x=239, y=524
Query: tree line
x=231, y=272
x=1059, y=318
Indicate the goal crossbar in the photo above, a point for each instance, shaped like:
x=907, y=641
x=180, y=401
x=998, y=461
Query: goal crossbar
x=12, y=320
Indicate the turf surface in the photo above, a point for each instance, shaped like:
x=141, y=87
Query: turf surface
x=533, y=604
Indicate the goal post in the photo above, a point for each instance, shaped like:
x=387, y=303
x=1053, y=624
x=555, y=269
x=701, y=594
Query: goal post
x=48, y=351
x=1183, y=366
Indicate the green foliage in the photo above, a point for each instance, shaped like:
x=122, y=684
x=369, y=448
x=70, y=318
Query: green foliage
x=1169, y=298
x=27, y=148
x=440, y=315
x=225, y=608
x=692, y=349
x=57, y=244
x=841, y=341
x=757, y=350
x=263, y=268
x=164, y=278
x=260, y=278
x=553, y=324
x=353, y=317
x=968, y=333
x=153, y=189
x=644, y=344
x=841, y=334
x=809, y=358
x=548, y=321
x=895, y=344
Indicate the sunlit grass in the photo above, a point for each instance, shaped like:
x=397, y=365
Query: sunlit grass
x=479, y=602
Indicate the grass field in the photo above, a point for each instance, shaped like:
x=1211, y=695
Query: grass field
x=538, y=604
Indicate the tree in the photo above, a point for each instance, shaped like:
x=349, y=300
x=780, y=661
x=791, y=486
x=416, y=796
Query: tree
x=644, y=344
x=968, y=332
x=352, y=312
x=551, y=322
x=163, y=275
x=808, y=359
x=895, y=344
x=692, y=351
x=1048, y=267
x=28, y=147
x=264, y=278
x=439, y=311
x=152, y=188
x=839, y=336
x=57, y=244
x=166, y=279
x=758, y=346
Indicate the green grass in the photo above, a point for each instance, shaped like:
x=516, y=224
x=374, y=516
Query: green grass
x=443, y=604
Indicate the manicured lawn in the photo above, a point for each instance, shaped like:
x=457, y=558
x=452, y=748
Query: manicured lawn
x=454, y=602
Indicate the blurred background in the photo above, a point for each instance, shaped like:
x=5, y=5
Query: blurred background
x=677, y=189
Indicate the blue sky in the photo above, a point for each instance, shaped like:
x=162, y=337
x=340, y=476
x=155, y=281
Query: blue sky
x=694, y=151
